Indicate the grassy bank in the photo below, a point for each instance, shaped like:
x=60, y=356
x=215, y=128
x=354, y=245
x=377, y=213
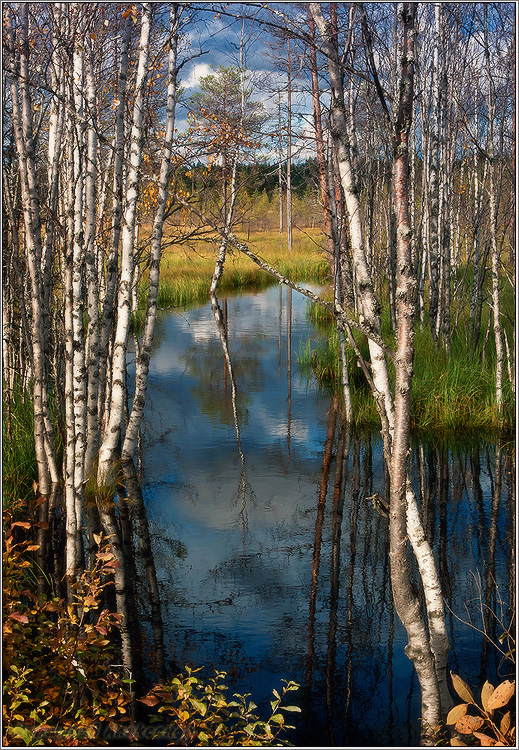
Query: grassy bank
x=452, y=394
x=186, y=270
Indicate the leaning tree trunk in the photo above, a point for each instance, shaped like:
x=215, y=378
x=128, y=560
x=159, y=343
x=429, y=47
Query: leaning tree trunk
x=370, y=309
x=330, y=220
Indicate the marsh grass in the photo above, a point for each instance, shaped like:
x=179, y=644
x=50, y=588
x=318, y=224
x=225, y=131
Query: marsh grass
x=18, y=454
x=186, y=271
x=452, y=394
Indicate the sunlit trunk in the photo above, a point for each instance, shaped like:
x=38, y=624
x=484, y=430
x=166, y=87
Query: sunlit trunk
x=108, y=313
x=369, y=306
x=18, y=54
x=118, y=392
x=144, y=354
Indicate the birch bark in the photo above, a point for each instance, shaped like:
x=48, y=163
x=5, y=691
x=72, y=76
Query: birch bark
x=113, y=429
x=108, y=313
x=369, y=306
x=24, y=138
x=141, y=375
x=495, y=255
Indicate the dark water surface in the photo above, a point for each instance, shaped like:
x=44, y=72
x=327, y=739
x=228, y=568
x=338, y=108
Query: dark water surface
x=251, y=584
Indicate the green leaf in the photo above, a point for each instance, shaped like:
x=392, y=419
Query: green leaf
x=296, y=709
x=201, y=707
x=24, y=733
x=277, y=719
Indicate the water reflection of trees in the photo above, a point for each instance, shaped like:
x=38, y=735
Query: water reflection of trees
x=315, y=592
x=354, y=670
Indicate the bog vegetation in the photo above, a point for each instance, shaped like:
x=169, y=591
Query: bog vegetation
x=395, y=193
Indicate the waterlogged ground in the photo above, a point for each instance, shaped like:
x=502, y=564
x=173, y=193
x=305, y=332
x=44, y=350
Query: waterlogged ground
x=249, y=582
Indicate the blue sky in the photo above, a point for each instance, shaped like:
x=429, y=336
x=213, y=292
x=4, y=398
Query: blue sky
x=218, y=39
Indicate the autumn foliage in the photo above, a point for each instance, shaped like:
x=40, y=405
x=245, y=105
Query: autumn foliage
x=489, y=724
x=58, y=686
x=62, y=688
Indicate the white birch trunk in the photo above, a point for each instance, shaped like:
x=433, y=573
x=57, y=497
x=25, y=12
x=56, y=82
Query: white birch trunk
x=141, y=375
x=92, y=276
x=113, y=429
x=108, y=313
x=79, y=370
x=24, y=138
x=495, y=254
x=369, y=306
x=434, y=194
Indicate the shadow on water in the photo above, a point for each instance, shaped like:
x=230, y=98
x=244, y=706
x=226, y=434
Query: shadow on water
x=260, y=548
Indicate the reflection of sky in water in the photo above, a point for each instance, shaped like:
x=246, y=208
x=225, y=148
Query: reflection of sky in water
x=239, y=596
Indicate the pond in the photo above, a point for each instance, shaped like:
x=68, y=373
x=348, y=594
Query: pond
x=264, y=576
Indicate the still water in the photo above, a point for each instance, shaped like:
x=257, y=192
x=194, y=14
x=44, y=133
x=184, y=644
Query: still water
x=263, y=577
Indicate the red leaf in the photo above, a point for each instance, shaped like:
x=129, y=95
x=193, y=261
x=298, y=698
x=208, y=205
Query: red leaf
x=19, y=618
x=150, y=700
x=23, y=524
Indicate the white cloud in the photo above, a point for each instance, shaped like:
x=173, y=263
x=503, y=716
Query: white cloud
x=198, y=71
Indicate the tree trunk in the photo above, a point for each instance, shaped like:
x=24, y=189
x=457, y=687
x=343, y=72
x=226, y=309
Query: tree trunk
x=115, y=232
x=420, y=646
x=25, y=146
x=143, y=359
x=370, y=309
x=113, y=429
x=495, y=255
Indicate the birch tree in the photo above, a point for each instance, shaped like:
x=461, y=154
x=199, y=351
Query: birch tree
x=114, y=420
x=141, y=375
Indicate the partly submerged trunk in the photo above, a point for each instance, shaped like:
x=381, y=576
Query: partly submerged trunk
x=404, y=519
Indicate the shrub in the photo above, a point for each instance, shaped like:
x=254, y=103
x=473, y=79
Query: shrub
x=198, y=714
x=57, y=688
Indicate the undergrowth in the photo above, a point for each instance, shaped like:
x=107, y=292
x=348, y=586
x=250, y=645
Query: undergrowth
x=62, y=686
